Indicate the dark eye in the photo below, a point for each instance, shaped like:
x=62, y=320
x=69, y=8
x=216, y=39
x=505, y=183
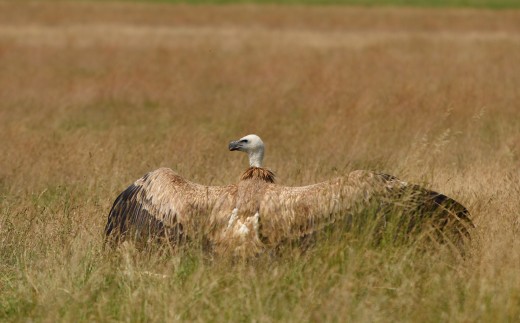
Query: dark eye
x=244, y=141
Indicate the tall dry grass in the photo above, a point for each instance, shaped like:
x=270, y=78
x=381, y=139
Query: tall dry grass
x=92, y=96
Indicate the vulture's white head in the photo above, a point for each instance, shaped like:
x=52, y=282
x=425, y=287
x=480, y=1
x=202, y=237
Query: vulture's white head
x=253, y=146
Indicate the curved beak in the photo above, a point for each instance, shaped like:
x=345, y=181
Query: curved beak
x=234, y=145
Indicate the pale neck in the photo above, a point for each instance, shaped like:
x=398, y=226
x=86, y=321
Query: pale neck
x=256, y=157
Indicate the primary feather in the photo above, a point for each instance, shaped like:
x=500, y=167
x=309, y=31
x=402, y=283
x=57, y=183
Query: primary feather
x=256, y=214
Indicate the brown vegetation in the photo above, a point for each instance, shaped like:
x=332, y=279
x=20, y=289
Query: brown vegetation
x=92, y=96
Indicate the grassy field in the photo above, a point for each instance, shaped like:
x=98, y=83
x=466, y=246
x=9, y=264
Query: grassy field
x=94, y=96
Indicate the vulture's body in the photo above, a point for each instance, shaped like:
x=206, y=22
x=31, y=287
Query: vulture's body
x=256, y=214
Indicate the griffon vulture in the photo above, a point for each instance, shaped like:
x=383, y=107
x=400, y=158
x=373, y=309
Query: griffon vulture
x=256, y=214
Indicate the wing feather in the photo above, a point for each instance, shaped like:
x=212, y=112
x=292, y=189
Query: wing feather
x=292, y=212
x=162, y=204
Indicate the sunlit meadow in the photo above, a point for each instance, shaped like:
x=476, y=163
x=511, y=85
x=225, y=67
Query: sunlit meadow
x=94, y=95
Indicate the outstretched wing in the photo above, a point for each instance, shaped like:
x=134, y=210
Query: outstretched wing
x=292, y=212
x=161, y=204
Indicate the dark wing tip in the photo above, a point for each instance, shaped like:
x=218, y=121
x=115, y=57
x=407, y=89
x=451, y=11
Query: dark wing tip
x=118, y=215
